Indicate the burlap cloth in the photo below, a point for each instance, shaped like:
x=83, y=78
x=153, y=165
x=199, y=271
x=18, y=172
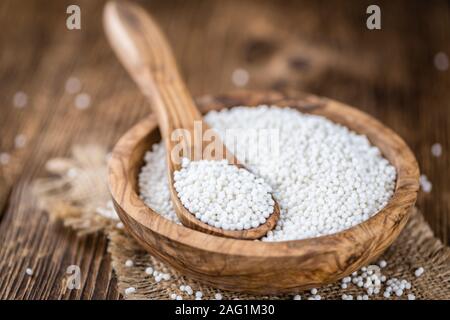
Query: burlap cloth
x=76, y=193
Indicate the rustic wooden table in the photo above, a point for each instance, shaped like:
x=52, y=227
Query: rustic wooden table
x=318, y=47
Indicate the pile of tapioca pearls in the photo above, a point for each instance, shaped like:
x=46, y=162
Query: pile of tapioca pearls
x=325, y=177
x=223, y=195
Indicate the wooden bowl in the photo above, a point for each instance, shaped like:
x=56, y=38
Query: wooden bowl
x=256, y=266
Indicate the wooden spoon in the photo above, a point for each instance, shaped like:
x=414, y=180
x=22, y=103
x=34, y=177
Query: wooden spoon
x=145, y=53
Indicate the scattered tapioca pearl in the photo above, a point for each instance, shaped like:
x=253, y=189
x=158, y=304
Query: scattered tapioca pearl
x=198, y=294
x=72, y=172
x=240, y=77
x=4, y=158
x=73, y=85
x=411, y=297
x=297, y=297
x=129, y=263
x=347, y=279
x=441, y=61
x=425, y=184
x=82, y=101
x=29, y=271
x=188, y=290
x=179, y=297
x=218, y=296
x=382, y=264
x=130, y=290
x=313, y=291
x=20, y=141
x=419, y=272
x=173, y=296
x=149, y=270
x=20, y=99
x=423, y=178
x=119, y=225
x=436, y=149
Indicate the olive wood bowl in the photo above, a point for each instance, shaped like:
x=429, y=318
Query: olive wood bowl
x=255, y=266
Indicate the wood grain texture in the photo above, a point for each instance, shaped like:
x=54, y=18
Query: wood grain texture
x=255, y=266
x=311, y=46
x=144, y=51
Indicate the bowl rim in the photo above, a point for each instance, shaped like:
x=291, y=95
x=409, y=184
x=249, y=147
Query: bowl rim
x=405, y=193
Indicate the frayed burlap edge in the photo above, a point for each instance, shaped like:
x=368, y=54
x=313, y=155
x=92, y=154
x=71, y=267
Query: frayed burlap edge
x=78, y=189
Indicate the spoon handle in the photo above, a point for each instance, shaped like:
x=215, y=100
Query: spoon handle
x=146, y=54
